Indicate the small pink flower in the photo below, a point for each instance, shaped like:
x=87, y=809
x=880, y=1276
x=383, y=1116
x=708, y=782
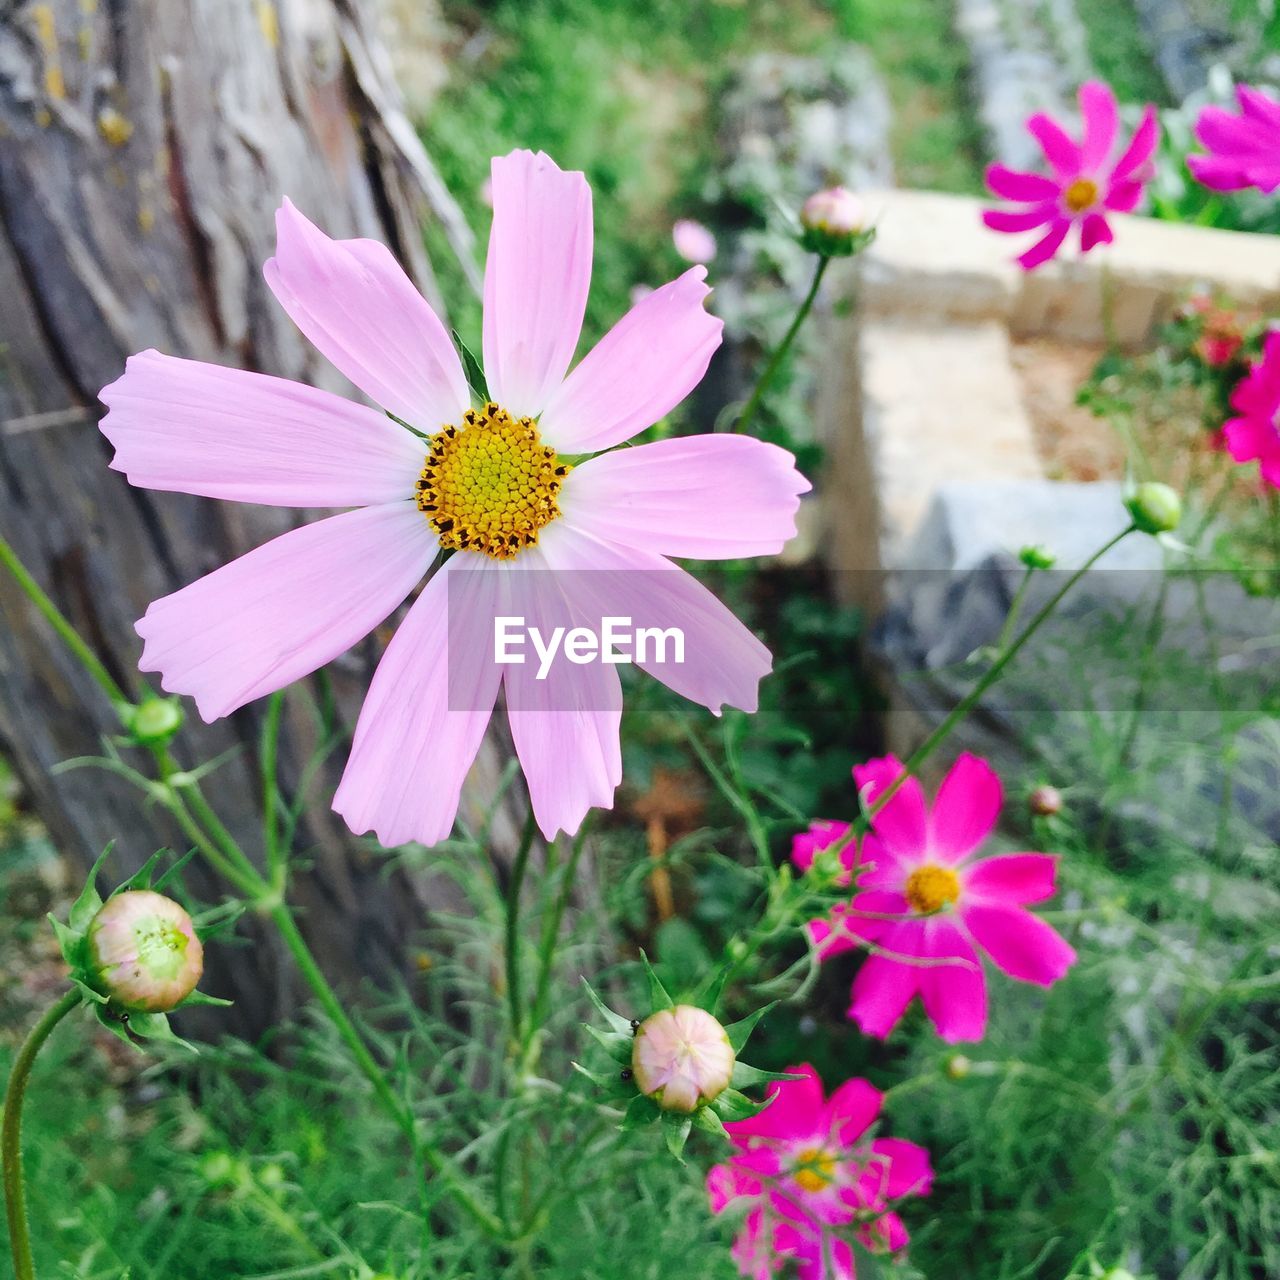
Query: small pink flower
x=693, y=241
x=810, y=1175
x=1244, y=149
x=1255, y=434
x=682, y=1058
x=143, y=951
x=1085, y=184
x=488, y=484
x=929, y=911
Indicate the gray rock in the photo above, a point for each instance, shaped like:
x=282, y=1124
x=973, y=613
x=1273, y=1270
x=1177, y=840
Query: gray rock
x=1212, y=654
x=1028, y=55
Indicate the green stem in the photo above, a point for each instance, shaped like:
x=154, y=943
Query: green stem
x=15, y=1199
x=516, y=884
x=862, y=824
x=547, y=949
x=1015, y=608
x=276, y=862
x=775, y=361
x=183, y=798
x=66, y=632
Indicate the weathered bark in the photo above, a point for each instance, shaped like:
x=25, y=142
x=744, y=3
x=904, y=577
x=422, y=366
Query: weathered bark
x=144, y=146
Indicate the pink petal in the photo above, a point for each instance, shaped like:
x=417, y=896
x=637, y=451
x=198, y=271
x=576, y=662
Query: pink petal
x=1123, y=197
x=723, y=661
x=851, y=1110
x=1012, y=878
x=1101, y=121
x=903, y=823
x=1059, y=150
x=1021, y=220
x=356, y=305
x=638, y=372
x=888, y=1231
x=904, y=1168
x=1021, y=944
x=536, y=279
x=712, y=497
x=1218, y=173
x=795, y=1112
x=189, y=427
x=821, y=835
x=954, y=994
x=1137, y=155
x=565, y=726
x=1232, y=135
x=883, y=988
x=285, y=609
x=1258, y=105
x=729, y=1182
x=966, y=809
x=1094, y=230
x=882, y=868
x=1015, y=184
x=426, y=711
x=1249, y=438
x=1044, y=249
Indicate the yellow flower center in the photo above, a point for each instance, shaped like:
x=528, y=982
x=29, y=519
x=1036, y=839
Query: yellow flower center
x=490, y=484
x=930, y=888
x=1082, y=194
x=815, y=1169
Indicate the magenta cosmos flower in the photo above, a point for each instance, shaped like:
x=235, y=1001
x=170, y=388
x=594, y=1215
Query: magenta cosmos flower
x=928, y=911
x=1244, y=149
x=1255, y=434
x=811, y=1175
x=1085, y=183
x=507, y=487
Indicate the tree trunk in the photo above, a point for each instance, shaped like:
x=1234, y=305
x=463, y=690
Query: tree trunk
x=144, y=147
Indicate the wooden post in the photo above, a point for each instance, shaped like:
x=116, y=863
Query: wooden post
x=144, y=148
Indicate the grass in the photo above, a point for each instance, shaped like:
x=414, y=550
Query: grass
x=1120, y=53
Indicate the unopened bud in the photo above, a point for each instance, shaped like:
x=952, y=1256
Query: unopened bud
x=1155, y=508
x=958, y=1066
x=143, y=952
x=682, y=1058
x=1037, y=557
x=1045, y=802
x=154, y=722
x=834, y=222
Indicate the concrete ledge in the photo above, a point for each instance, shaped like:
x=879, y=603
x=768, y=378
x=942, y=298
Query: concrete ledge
x=933, y=258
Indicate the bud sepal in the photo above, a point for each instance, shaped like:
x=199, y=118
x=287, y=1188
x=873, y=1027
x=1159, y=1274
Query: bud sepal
x=135, y=956
x=679, y=1064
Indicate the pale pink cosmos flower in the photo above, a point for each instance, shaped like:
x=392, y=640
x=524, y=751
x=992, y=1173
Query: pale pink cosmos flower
x=812, y=1175
x=1084, y=184
x=1255, y=434
x=488, y=485
x=1244, y=149
x=693, y=241
x=929, y=911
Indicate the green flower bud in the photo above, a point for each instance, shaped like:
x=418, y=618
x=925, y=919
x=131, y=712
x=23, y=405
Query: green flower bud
x=143, y=952
x=155, y=721
x=1155, y=508
x=682, y=1058
x=1036, y=557
x=958, y=1066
